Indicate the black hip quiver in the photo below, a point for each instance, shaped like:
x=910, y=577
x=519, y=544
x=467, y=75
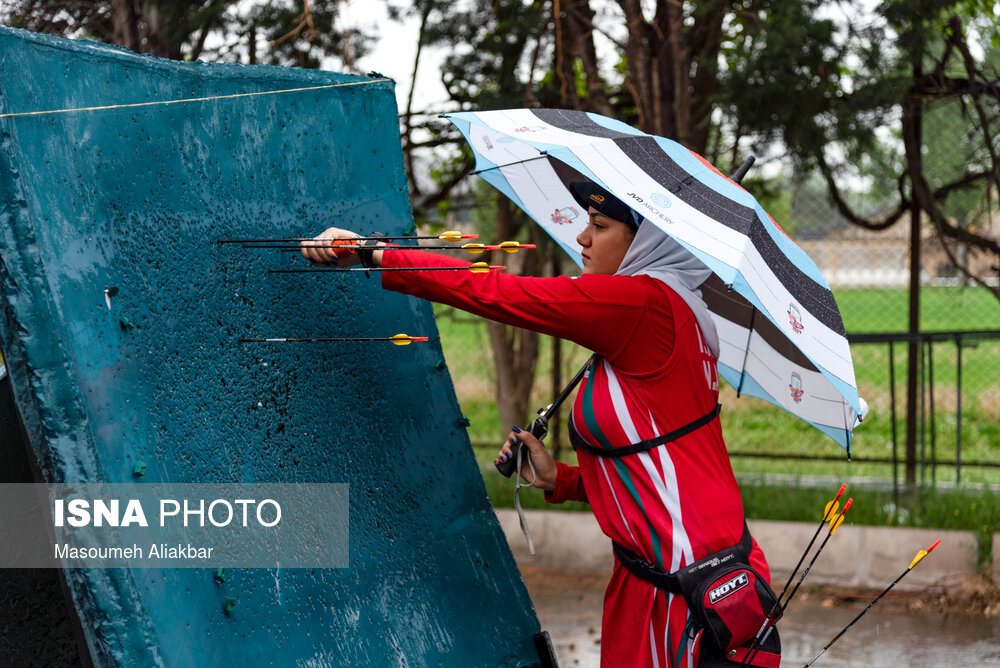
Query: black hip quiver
x=728, y=599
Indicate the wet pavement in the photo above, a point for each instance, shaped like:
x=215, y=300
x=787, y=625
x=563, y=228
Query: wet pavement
x=569, y=608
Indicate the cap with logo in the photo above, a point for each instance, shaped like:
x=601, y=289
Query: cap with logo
x=589, y=194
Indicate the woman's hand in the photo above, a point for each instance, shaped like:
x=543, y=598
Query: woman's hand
x=325, y=253
x=545, y=465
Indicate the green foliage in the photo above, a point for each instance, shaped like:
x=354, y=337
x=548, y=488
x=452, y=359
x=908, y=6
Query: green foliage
x=241, y=31
x=487, y=41
x=792, y=77
x=754, y=426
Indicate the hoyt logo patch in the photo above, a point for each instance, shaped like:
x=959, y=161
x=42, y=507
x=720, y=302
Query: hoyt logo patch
x=728, y=588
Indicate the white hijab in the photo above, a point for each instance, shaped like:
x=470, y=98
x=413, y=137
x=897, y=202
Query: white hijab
x=655, y=253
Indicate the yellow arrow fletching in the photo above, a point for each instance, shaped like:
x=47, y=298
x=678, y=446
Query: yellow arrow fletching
x=479, y=267
x=510, y=246
x=475, y=249
x=450, y=235
x=923, y=553
x=839, y=519
x=401, y=339
x=831, y=510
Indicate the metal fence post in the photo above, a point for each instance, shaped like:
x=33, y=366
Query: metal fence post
x=892, y=410
x=930, y=396
x=958, y=410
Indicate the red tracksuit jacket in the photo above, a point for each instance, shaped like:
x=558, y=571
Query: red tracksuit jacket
x=652, y=374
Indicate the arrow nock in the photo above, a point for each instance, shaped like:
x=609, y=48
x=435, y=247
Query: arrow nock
x=832, y=506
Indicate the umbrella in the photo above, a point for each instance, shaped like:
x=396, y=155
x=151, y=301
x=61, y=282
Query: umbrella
x=781, y=335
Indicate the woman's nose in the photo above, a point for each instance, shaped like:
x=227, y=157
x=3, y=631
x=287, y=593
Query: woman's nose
x=583, y=239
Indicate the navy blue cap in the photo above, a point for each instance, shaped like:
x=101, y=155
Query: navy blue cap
x=589, y=194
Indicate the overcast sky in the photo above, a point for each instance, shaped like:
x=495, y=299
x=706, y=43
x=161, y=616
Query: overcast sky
x=393, y=53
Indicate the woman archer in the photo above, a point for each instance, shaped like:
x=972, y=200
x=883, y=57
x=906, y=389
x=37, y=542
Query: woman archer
x=652, y=461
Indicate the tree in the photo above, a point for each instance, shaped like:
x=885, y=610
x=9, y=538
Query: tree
x=483, y=71
x=655, y=65
x=281, y=32
x=916, y=56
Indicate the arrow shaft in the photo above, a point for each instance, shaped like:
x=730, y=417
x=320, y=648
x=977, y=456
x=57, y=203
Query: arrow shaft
x=859, y=616
x=768, y=623
x=297, y=247
x=765, y=629
x=478, y=249
x=802, y=558
x=294, y=239
x=315, y=270
x=330, y=339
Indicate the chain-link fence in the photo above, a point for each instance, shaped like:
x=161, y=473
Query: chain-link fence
x=956, y=396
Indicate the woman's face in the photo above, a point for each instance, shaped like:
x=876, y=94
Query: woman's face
x=605, y=241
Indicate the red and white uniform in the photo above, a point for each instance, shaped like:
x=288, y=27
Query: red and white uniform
x=652, y=374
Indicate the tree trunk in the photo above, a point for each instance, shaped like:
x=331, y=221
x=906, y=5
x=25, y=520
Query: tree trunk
x=515, y=350
x=672, y=67
x=579, y=31
x=125, y=22
x=565, y=53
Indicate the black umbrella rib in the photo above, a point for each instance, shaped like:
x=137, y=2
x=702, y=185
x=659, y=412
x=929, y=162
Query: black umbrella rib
x=510, y=164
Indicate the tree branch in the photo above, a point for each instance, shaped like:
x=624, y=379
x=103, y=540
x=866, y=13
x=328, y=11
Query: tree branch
x=444, y=190
x=845, y=210
x=957, y=38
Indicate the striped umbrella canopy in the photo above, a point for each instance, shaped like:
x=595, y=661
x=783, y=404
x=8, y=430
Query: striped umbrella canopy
x=781, y=335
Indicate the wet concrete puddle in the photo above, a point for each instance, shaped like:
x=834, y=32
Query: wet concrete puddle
x=569, y=608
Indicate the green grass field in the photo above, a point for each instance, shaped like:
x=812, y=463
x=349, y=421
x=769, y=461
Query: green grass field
x=753, y=426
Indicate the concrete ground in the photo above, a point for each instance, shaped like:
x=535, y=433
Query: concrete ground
x=939, y=622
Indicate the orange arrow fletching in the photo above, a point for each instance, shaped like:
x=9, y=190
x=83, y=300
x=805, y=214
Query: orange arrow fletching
x=342, y=253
